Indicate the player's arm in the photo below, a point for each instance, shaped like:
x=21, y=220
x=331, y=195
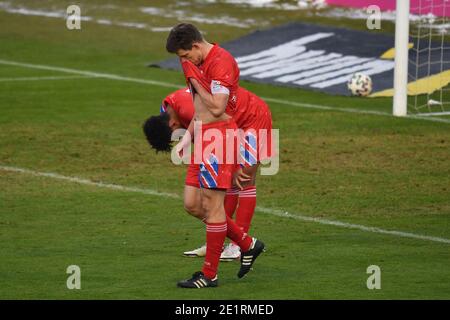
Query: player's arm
x=190, y=128
x=216, y=103
x=187, y=138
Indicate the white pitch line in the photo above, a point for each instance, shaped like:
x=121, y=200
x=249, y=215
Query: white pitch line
x=351, y=110
x=329, y=108
x=89, y=73
x=275, y=212
x=431, y=118
x=444, y=113
x=402, y=234
x=89, y=182
x=43, y=78
x=171, y=85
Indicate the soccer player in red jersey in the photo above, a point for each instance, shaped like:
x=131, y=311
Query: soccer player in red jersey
x=214, y=86
x=176, y=112
x=180, y=108
x=219, y=73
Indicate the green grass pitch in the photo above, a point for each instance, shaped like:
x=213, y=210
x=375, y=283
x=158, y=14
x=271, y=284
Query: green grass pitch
x=364, y=169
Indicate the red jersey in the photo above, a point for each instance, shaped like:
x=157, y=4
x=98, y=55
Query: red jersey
x=221, y=71
x=182, y=104
x=244, y=115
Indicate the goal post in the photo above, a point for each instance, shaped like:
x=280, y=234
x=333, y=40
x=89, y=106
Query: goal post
x=400, y=103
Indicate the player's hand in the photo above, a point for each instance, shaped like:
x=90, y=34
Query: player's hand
x=190, y=70
x=192, y=73
x=194, y=82
x=179, y=149
x=240, y=177
x=184, y=143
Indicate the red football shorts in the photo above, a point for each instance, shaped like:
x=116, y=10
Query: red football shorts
x=257, y=135
x=192, y=173
x=214, y=156
x=256, y=144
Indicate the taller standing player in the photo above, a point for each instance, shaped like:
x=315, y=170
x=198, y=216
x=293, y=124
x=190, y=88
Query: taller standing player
x=221, y=77
x=177, y=111
x=220, y=72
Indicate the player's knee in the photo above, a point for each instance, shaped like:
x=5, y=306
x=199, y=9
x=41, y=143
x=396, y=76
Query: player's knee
x=205, y=205
x=209, y=206
x=192, y=207
x=189, y=207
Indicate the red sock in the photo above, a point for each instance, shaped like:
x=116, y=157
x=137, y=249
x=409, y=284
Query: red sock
x=238, y=236
x=231, y=200
x=246, y=208
x=215, y=237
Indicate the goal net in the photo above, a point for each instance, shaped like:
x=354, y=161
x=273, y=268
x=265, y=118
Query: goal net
x=428, y=75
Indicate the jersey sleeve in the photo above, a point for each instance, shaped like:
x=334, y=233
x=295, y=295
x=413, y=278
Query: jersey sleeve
x=222, y=76
x=186, y=113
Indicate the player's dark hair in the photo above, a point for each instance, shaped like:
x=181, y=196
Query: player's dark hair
x=158, y=132
x=182, y=36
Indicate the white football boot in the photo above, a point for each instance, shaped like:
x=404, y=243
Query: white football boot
x=230, y=253
x=199, y=252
